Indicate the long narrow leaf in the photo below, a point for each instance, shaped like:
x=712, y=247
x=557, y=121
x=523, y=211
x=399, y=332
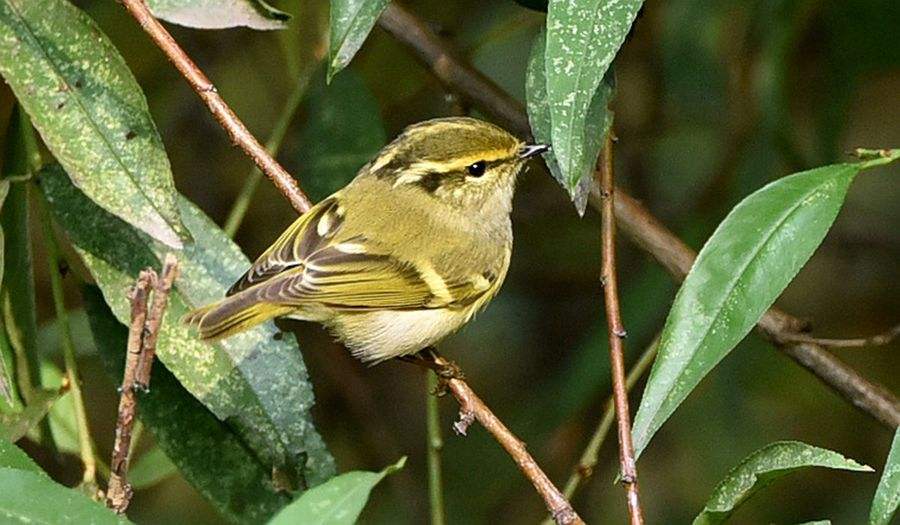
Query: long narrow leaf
x=583, y=37
x=887, y=495
x=337, y=502
x=30, y=497
x=746, y=264
x=596, y=123
x=90, y=111
x=761, y=468
x=253, y=381
x=219, y=14
x=351, y=22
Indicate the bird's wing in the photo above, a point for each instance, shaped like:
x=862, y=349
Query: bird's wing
x=302, y=238
x=306, y=265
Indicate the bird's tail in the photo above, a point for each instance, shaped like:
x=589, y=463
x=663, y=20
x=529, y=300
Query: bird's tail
x=232, y=315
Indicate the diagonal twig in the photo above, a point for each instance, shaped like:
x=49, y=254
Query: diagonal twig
x=881, y=339
x=616, y=331
x=142, y=336
x=205, y=89
x=635, y=220
x=471, y=409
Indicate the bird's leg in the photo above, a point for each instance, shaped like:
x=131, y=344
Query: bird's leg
x=445, y=369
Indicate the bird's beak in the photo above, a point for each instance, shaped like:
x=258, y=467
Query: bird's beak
x=530, y=150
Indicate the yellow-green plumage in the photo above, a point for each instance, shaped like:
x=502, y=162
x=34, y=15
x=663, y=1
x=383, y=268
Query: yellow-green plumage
x=402, y=256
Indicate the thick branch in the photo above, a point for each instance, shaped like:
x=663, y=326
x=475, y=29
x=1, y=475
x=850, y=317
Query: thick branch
x=638, y=223
x=239, y=134
x=142, y=336
x=616, y=332
x=471, y=409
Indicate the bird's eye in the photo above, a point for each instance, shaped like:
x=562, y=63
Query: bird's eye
x=477, y=169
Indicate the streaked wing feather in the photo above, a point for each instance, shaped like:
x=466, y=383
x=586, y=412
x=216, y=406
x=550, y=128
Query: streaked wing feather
x=302, y=238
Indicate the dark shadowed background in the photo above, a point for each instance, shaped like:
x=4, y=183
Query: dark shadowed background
x=714, y=100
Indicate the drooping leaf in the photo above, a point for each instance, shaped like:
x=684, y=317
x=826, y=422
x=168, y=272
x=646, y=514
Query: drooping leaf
x=343, y=131
x=761, y=468
x=254, y=381
x=887, y=495
x=12, y=456
x=30, y=497
x=9, y=396
x=583, y=37
x=14, y=426
x=219, y=14
x=596, y=122
x=336, y=502
x=90, y=111
x=746, y=264
x=17, y=299
x=150, y=468
x=209, y=453
x=351, y=21
x=61, y=417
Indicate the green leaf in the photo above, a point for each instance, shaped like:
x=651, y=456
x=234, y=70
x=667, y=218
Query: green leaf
x=596, y=124
x=336, y=502
x=343, y=131
x=14, y=426
x=761, y=468
x=19, y=322
x=209, y=453
x=351, y=21
x=9, y=396
x=61, y=418
x=29, y=497
x=583, y=37
x=887, y=495
x=746, y=264
x=219, y=14
x=257, y=383
x=150, y=468
x=90, y=112
x=12, y=456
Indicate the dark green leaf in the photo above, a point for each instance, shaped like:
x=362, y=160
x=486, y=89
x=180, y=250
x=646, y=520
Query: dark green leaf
x=763, y=467
x=336, y=502
x=14, y=426
x=219, y=14
x=18, y=349
x=210, y=454
x=29, y=497
x=9, y=395
x=343, y=131
x=61, y=418
x=583, y=37
x=746, y=264
x=90, y=112
x=255, y=382
x=887, y=495
x=150, y=468
x=351, y=21
x=12, y=456
x=596, y=124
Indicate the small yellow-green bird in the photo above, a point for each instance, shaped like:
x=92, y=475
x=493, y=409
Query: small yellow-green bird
x=402, y=256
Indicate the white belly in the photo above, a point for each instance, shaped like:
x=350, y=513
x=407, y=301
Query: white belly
x=376, y=336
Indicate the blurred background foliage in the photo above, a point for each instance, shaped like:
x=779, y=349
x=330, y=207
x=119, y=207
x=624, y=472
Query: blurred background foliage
x=714, y=99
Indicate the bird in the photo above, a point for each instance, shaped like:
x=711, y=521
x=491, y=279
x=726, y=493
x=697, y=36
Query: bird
x=402, y=256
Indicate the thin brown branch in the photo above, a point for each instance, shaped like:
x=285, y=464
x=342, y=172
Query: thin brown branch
x=471, y=409
x=450, y=70
x=616, y=331
x=881, y=339
x=154, y=321
x=635, y=220
x=236, y=129
x=142, y=336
